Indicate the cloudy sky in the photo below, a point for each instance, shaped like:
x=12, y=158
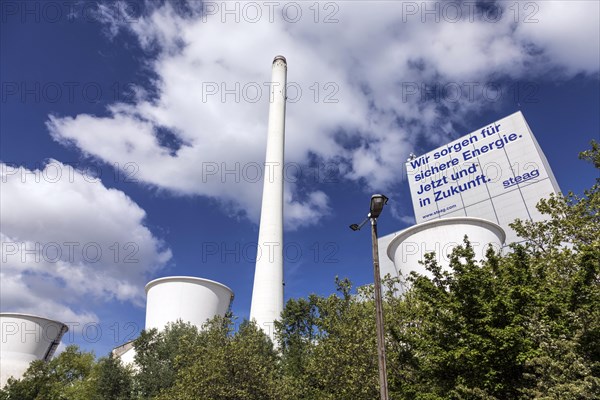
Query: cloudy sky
x=133, y=134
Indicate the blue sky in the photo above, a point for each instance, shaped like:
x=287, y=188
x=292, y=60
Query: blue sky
x=145, y=124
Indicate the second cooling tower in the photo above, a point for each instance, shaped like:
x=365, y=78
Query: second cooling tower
x=186, y=298
x=407, y=248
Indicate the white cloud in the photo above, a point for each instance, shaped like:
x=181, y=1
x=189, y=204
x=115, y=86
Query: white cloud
x=67, y=241
x=365, y=81
x=567, y=33
x=308, y=212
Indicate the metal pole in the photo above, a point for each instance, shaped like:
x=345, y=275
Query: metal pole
x=383, y=387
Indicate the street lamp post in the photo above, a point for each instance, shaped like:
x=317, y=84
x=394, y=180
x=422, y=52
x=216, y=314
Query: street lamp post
x=377, y=203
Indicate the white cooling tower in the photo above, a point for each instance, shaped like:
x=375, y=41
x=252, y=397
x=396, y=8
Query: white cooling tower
x=409, y=246
x=190, y=299
x=26, y=338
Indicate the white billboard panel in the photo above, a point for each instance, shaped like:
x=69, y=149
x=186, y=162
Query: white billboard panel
x=497, y=172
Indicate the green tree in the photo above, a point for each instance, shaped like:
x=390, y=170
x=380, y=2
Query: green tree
x=524, y=325
x=64, y=377
x=112, y=380
x=297, y=333
x=566, y=326
x=328, y=346
x=157, y=355
x=227, y=366
x=461, y=334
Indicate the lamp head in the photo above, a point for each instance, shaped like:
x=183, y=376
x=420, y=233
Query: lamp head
x=377, y=203
x=355, y=227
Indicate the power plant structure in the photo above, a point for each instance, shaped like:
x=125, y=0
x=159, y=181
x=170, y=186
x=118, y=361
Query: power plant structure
x=267, y=293
x=190, y=299
x=197, y=300
x=26, y=338
x=475, y=185
x=409, y=246
x=180, y=298
x=186, y=298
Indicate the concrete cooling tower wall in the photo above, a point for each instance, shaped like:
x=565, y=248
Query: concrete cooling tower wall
x=190, y=299
x=409, y=246
x=26, y=338
x=173, y=298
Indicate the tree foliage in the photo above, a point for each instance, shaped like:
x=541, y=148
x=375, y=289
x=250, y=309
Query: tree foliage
x=64, y=377
x=157, y=356
x=227, y=366
x=329, y=346
x=519, y=325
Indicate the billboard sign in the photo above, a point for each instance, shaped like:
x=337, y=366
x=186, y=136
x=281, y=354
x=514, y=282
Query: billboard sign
x=498, y=173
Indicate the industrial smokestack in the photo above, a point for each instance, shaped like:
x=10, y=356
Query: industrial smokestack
x=267, y=294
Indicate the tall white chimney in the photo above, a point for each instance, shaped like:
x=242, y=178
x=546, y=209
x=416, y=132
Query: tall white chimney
x=267, y=294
